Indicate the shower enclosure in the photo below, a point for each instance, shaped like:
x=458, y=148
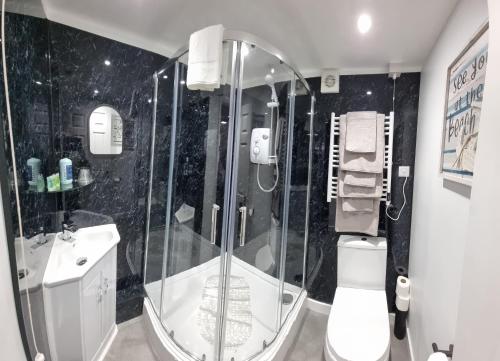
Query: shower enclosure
x=228, y=204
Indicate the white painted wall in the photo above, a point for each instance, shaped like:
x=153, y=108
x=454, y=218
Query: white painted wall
x=12, y=347
x=440, y=210
x=478, y=326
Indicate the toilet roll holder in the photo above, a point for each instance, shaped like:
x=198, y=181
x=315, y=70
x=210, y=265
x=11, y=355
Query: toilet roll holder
x=448, y=353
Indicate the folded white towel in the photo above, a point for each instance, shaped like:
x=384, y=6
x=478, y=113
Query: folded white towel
x=361, y=132
x=357, y=204
x=205, y=58
x=362, y=162
x=360, y=179
x=347, y=190
x=362, y=222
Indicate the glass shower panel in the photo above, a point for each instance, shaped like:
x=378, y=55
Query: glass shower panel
x=298, y=205
x=193, y=242
x=157, y=196
x=252, y=292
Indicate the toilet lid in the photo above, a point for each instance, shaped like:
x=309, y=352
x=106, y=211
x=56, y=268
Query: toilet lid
x=358, y=326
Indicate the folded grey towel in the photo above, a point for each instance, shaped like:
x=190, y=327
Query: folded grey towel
x=362, y=222
x=357, y=204
x=347, y=190
x=362, y=162
x=360, y=179
x=361, y=132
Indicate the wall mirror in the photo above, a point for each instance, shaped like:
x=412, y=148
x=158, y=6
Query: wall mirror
x=105, y=131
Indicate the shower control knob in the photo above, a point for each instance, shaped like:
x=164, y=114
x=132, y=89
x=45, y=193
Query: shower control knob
x=256, y=150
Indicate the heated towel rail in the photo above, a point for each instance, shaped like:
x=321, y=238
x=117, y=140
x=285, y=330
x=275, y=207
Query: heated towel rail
x=334, y=158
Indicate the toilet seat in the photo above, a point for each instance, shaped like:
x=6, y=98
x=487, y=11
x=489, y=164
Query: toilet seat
x=358, y=326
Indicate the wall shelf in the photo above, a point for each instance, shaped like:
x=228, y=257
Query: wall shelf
x=75, y=187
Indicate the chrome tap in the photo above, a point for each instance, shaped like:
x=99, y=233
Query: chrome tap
x=67, y=230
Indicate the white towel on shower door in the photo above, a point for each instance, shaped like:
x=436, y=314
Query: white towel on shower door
x=362, y=162
x=205, y=59
x=361, y=132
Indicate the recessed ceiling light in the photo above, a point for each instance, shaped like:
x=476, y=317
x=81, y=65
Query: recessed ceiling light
x=150, y=100
x=107, y=62
x=364, y=23
x=165, y=77
x=183, y=82
x=96, y=91
x=369, y=92
x=38, y=82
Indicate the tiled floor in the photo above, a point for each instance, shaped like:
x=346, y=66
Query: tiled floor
x=131, y=343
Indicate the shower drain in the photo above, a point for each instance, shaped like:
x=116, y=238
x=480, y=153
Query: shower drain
x=287, y=298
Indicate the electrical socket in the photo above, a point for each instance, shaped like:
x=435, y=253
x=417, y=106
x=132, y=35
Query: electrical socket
x=404, y=171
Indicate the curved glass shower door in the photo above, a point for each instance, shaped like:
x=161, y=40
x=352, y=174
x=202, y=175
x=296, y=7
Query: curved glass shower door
x=189, y=173
x=253, y=299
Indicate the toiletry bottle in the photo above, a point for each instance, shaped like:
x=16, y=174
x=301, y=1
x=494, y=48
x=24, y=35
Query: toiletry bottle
x=33, y=171
x=66, y=173
x=40, y=184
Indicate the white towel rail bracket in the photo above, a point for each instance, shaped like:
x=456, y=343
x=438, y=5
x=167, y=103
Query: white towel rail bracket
x=334, y=158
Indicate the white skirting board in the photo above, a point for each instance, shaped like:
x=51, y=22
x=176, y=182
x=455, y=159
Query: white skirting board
x=410, y=345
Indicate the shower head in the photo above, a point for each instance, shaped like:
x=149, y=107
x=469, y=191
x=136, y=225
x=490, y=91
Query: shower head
x=274, y=97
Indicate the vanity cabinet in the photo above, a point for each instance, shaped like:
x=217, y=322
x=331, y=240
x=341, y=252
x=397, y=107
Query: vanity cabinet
x=80, y=314
x=98, y=305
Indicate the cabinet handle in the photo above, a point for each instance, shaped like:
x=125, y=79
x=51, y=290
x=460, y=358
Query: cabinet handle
x=99, y=294
x=213, y=233
x=243, y=225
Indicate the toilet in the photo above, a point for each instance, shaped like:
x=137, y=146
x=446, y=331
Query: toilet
x=358, y=325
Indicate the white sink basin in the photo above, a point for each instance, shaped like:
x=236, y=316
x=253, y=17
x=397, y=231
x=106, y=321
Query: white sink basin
x=71, y=260
x=36, y=257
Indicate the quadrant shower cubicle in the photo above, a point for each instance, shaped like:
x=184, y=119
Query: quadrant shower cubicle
x=228, y=201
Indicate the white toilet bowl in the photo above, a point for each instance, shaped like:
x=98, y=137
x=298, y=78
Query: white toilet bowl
x=358, y=325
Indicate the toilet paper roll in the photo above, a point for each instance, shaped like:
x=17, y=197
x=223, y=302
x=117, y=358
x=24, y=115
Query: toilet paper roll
x=402, y=303
x=403, y=287
x=438, y=356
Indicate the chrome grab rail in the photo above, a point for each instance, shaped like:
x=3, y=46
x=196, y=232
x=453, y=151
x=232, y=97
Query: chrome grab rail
x=243, y=225
x=213, y=233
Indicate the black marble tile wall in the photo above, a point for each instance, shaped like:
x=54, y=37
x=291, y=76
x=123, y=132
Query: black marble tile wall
x=58, y=76
x=82, y=81
x=322, y=249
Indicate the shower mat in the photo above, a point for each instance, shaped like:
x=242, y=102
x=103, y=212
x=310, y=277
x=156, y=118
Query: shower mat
x=238, y=315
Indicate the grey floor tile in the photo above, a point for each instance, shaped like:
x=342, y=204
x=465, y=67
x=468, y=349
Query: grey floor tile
x=130, y=344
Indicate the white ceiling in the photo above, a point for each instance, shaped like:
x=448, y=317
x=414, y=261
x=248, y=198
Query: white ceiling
x=315, y=34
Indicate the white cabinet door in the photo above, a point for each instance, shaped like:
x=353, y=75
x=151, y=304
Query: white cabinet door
x=109, y=292
x=91, y=312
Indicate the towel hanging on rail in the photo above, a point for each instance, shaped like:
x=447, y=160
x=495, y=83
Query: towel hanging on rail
x=362, y=162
